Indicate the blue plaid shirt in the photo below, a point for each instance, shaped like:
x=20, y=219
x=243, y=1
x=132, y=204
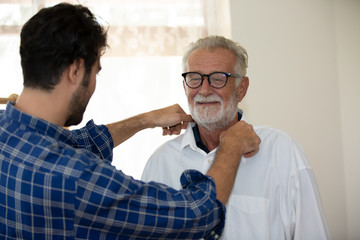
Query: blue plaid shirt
x=60, y=184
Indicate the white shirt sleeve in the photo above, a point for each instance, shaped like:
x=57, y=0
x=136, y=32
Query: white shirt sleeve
x=310, y=221
x=310, y=217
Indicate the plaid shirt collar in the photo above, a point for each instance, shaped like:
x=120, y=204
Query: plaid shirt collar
x=12, y=115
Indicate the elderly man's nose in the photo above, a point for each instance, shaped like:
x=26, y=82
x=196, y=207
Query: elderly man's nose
x=206, y=88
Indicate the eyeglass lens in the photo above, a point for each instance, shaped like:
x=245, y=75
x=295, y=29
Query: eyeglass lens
x=216, y=80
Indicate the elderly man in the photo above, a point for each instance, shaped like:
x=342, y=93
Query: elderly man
x=60, y=184
x=275, y=195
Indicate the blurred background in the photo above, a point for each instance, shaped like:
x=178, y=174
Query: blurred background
x=304, y=61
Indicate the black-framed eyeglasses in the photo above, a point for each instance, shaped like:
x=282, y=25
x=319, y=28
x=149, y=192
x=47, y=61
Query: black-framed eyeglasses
x=215, y=79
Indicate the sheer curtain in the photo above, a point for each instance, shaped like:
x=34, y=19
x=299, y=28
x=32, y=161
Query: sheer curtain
x=141, y=70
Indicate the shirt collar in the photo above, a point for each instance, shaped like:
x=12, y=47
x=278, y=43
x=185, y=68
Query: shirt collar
x=41, y=126
x=192, y=136
x=188, y=137
x=199, y=142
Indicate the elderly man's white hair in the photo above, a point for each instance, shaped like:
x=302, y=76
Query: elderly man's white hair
x=214, y=42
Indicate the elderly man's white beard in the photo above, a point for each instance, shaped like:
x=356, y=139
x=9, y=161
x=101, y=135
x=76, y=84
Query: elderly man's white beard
x=213, y=117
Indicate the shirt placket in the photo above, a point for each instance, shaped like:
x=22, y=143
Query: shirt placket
x=207, y=161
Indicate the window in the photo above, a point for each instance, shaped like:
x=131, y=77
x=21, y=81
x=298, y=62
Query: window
x=142, y=69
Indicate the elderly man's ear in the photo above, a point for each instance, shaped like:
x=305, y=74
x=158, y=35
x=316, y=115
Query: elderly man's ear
x=242, y=88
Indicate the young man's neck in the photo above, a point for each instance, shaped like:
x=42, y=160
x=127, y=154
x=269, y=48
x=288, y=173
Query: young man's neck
x=50, y=106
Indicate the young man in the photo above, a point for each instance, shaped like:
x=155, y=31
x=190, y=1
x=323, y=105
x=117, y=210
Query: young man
x=275, y=195
x=56, y=183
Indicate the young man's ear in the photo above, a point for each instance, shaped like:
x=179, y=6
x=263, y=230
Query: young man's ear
x=76, y=71
x=242, y=88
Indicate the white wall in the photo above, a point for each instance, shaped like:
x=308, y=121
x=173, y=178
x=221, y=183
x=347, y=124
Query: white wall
x=304, y=63
x=347, y=16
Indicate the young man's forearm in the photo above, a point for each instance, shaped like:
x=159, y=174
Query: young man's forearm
x=172, y=117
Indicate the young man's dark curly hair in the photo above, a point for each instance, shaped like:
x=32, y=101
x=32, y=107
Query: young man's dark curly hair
x=56, y=37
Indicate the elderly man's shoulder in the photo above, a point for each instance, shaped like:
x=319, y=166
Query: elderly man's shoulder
x=281, y=146
x=267, y=133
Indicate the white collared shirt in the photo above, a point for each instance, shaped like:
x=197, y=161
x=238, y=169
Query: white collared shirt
x=275, y=195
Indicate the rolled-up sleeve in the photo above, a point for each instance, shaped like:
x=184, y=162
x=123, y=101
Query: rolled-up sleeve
x=95, y=138
x=203, y=187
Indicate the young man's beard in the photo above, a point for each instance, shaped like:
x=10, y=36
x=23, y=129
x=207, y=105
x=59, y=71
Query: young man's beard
x=214, y=117
x=78, y=103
